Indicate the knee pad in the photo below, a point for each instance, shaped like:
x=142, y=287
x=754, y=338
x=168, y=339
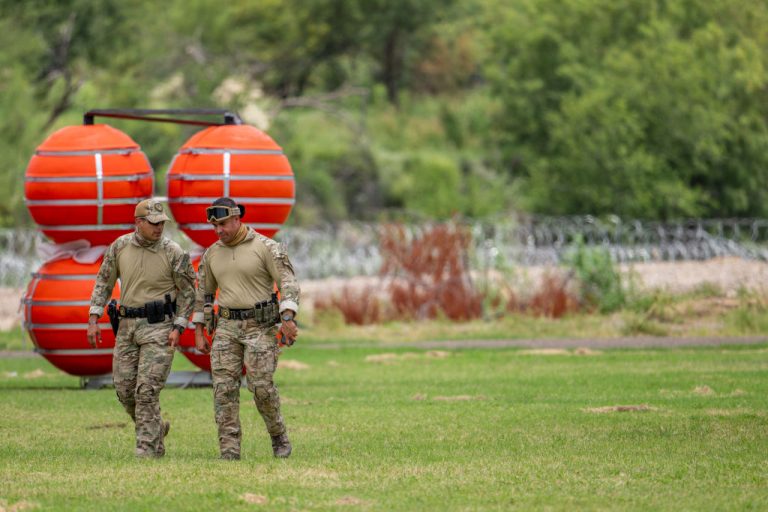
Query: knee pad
x=226, y=393
x=125, y=393
x=264, y=392
x=146, y=393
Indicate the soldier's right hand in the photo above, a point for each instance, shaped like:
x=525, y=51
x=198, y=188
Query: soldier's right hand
x=201, y=344
x=94, y=334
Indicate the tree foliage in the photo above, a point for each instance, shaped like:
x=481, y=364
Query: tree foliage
x=643, y=109
x=649, y=109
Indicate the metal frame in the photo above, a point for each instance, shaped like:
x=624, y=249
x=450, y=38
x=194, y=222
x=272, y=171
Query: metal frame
x=175, y=379
x=165, y=115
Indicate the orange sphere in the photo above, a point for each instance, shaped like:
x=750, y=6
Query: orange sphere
x=84, y=182
x=56, y=305
x=237, y=161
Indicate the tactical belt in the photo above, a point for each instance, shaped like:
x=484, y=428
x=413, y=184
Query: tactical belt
x=263, y=312
x=154, y=311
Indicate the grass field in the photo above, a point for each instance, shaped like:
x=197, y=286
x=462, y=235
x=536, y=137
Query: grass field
x=413, y=430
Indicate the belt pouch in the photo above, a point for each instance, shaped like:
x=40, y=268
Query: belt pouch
x=155, y=312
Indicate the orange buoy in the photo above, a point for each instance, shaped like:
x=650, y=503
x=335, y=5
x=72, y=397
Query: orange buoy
x=187, y=347
x=84, y=182
x=237, y=161
x=56, y=305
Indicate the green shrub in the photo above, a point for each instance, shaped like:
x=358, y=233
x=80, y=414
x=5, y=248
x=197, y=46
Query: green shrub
x=751, y=317
x=599, y=279
x=434, y=182
x=639, y=324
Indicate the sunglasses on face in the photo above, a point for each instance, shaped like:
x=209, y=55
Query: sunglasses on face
x=217, y=213
x=161, y=223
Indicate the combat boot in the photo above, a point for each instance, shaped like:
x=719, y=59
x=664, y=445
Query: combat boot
x=281, y=446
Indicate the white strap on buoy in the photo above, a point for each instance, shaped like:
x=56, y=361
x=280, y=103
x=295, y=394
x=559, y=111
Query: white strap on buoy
x=226, y=171
x=99, y=189
x=79, y=250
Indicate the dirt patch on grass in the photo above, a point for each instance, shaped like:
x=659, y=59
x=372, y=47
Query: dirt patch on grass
x=381, y=358
x=620, y=408
x=350, y=500
x=254, y=499
x=457, y=398
x=105, y=425
x=291, y=364
x=703, y=391
x=34, y=374
x=18, y=506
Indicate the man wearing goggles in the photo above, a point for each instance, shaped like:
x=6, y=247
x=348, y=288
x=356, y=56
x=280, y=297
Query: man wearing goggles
x=244, y=267
x=220, y=213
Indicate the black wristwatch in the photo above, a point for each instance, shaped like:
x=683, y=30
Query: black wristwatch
x=287, y=317
x=179, y=328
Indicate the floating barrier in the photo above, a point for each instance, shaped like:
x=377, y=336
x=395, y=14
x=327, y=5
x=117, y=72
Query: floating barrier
x=237, y=161
x=56, y=305
x=83, y=182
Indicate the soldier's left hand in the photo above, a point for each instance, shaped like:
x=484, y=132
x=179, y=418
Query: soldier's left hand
x=173, y=338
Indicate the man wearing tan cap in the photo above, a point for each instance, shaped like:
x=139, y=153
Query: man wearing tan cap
x=157, y=294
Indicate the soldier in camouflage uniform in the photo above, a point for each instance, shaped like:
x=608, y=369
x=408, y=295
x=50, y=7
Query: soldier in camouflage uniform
x=244, y=266
x=154, y=273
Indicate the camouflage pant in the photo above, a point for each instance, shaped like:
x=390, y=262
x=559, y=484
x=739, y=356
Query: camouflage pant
x=140, y=367
x=239, y=342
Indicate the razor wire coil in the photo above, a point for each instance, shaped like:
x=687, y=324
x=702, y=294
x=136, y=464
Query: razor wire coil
x=352, y=248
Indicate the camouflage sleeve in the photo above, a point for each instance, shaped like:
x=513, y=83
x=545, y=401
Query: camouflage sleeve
x=184, y=278
x=105, y=280
x=206, y=283
x=283, y=274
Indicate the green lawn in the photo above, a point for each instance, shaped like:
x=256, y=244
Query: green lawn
x=413, y=430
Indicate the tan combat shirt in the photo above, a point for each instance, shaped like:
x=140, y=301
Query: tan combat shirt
x=146, y=274
x=245, y=275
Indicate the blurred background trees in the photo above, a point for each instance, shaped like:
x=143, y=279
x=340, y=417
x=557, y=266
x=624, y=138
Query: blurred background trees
x=649, y=109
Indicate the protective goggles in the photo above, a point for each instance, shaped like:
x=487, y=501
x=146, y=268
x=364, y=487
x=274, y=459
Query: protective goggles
x=217, y=213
